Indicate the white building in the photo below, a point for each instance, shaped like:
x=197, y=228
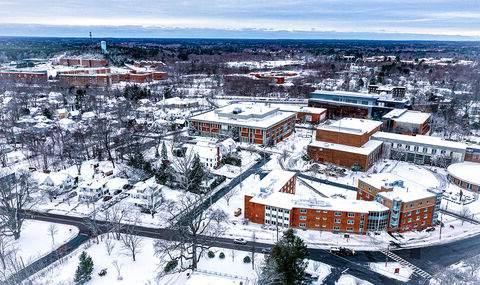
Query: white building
x=421, y=149
x=146, y=194
x=91, y=191
x=209, y=154
x=59, y=182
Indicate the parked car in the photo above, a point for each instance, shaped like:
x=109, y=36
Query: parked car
x=237, y=212
x=240, y=241
x=430, y=229
x=266, y=250
x=118, y=191
x=106, y=198
x=72, y=194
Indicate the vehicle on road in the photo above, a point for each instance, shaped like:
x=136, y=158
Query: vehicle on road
x=266, y=250
x=430, y=229
x=240, y=241
x=107, y=198
x=342, y=251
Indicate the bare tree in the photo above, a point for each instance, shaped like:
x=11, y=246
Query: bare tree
x=109, y=245
x=229, y=195
x=189, y=245
x=465, y=212
x=131, y=242
x=52, y=231
x=118, y=267
x=14, y=199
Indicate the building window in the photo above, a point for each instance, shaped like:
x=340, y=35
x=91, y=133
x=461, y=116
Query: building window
x=409, y=220
x=303, y=211
x=350, y=222
x=425, y=216
x=303, y=218
x=425, y=210
x=351, y=214
x=417, y=211
x=349, y=229
x=336, y=228
x=337, y=221
x=302, y=225
x=338, y=214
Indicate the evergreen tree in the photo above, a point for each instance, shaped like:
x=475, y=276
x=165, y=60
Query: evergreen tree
x=164, y=151
x=196, y=175
x=286, y=264
x=84, y=269
x=163, y=174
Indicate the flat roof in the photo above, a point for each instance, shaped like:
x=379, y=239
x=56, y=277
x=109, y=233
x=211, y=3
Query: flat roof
x=290, y=201
x=346, y=94
x=256, y=115
x=297, y=108
x=404, y=189
x=419, y=139
x=365, y=149
x=408, y=116
x=351, y=125
x=466, y=171
x=275, y=180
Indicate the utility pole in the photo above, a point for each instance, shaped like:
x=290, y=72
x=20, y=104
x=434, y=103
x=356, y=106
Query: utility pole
x=441, y=225
x=253, y=250
x=386, y=256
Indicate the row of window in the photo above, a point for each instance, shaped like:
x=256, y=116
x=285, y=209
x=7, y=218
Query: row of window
x=419, y=148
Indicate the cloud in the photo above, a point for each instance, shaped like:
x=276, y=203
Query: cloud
x=460, y=17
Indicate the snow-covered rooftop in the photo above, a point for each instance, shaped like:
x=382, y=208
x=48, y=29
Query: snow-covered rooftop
x=365, y=149
x=351, y=125
x=252, y=115
x=466, y=171
x=407, y=116
x=420, y=139
x=403, y=189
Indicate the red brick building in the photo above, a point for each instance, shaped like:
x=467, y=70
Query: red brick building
x=346, y=143
x=24, y=77
x=252, y=123
x=275, y=202
x=411, y=206
x=407, y=122
x=85, y=62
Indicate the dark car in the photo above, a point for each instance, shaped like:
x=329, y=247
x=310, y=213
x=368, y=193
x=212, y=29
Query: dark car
x=266, y=250
x=342, y=251
x=430, y=229
x=118, y=191
x=106, y=198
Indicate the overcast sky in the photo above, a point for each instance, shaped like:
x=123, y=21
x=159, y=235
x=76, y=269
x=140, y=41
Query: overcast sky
x=429, y=17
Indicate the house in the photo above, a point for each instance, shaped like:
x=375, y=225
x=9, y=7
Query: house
x=227, y=146
x=146, y=194
x=58, y=182
x=91, y=191
x=208, y=153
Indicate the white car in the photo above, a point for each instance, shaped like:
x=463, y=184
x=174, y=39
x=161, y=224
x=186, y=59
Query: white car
x=240, y=241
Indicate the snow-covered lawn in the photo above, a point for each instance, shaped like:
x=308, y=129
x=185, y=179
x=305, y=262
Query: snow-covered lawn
x=389, y=270
x=36, y=241
x=347, y=279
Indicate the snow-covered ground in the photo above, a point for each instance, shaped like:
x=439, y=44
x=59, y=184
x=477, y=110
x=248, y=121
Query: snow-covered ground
x=388, y=269
x=36, y=240
x=145, y=270
x=347, y=279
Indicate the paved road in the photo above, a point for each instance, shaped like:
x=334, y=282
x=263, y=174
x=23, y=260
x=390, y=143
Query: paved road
x=169, y=234
x=227, y=188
